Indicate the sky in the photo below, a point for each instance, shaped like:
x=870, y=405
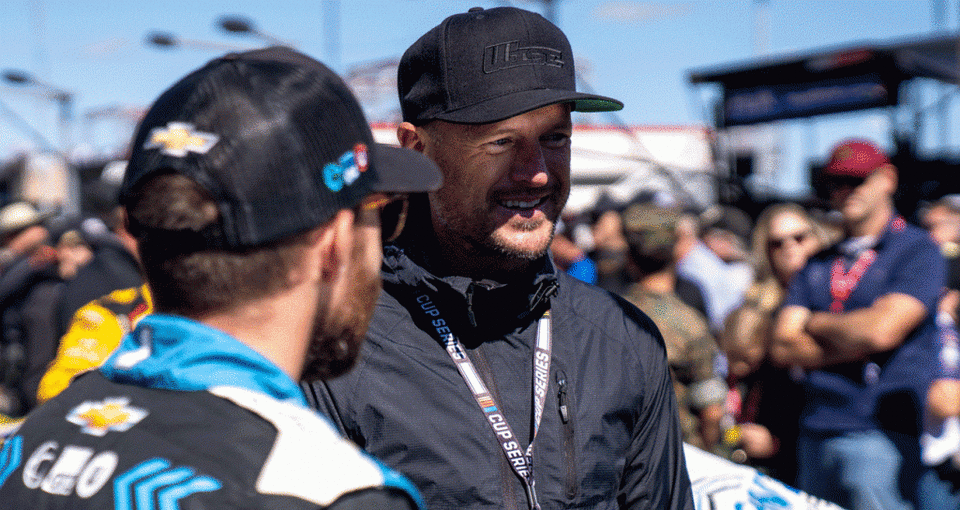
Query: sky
x=637, y=51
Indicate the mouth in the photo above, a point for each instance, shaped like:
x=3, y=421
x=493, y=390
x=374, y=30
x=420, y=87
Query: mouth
x=522, y=205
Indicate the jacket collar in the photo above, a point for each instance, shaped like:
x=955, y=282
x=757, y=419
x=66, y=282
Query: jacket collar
x=480, y=308
x=852, y=247
x=176, y=353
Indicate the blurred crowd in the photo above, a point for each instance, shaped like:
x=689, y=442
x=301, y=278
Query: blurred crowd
x=711, y=280
x=714, y=282
x=52, y=263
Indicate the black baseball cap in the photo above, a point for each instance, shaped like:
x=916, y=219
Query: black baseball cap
x=488, y=65
x=279, y=142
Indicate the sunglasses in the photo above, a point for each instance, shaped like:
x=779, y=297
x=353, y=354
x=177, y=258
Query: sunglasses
x=393, y=214
x=841, y=182
x=780, y=242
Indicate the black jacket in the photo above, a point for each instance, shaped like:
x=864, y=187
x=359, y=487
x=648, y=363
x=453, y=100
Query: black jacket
x=616, y=444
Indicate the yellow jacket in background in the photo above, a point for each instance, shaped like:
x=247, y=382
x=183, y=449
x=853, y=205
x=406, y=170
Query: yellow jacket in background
x=94, y=332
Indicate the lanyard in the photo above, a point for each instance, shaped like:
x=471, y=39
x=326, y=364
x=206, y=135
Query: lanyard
x=521, y=461
x=843, y=282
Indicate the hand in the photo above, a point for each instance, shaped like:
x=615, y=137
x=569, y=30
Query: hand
x=943, y=398
x=757, y=441
x=950, y=303
x=28, y=240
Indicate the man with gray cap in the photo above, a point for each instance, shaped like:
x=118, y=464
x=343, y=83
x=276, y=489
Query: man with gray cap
x=490, y=378
x=258, y=200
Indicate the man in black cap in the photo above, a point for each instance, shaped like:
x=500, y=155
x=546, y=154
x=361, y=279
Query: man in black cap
x=255, y=193
x=490, y=378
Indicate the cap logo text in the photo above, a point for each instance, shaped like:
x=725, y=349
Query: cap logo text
x=179, y=138
x=507, y=55
x=347, y=169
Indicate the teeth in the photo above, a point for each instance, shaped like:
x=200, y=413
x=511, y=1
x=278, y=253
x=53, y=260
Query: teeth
x=517, y=204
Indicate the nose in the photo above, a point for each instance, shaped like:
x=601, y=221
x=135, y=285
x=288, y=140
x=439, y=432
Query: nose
x=531, y=166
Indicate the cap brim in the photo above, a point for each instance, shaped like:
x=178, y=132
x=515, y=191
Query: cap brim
x=402, y=170
x=510, y=105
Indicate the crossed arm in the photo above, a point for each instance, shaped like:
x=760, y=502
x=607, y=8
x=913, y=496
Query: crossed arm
x=816, y=339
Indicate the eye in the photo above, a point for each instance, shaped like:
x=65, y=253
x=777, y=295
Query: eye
x=499, y=145
x=555, y=140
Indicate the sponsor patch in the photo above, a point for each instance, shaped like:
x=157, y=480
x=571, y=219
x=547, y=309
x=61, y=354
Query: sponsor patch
x=346, y=170
x=90, y=319
x=179, y=139
x=98, y=418
x=85, y=349
x=72, y=470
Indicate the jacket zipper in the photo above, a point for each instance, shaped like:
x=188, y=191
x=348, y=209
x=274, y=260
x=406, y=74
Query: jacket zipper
x=569, y=451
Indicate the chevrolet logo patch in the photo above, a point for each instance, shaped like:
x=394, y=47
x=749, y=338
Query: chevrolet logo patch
x=98, y=418
x=179, y=138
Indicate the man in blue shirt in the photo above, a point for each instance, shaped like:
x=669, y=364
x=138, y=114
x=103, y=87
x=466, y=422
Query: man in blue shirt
x=859, y=318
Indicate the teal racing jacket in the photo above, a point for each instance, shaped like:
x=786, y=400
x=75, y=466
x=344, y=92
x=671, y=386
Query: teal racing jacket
x=185, y=416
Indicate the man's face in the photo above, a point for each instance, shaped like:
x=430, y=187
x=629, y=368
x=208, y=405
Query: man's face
x=943, y=224
x=790, y=242
x=339, y=328
x=504, y=183
x=857, y=199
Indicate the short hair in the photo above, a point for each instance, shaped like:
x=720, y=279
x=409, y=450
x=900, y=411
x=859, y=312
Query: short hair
x=197, y=283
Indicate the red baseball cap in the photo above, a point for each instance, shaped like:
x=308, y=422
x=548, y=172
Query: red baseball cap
x=855, y=158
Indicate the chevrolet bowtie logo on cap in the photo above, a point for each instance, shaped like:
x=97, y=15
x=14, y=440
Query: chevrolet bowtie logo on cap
x=179, y=138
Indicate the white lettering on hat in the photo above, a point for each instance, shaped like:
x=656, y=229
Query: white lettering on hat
x=180, y=138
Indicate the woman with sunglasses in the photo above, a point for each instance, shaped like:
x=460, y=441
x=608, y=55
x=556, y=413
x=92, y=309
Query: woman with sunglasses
x=764, y=401
x=785, y=236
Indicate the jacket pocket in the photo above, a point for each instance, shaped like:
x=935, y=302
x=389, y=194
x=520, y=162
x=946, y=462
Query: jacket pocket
x=565, y=407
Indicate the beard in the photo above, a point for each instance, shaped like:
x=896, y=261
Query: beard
x=338, y=334
x=476, y=229
x=503, y=247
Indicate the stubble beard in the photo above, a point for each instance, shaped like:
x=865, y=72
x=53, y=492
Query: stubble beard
x=338, y=335
x=503, y=247
x=486, y=238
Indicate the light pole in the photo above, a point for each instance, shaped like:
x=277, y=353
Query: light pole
x=63, y=98
x=45, y=186
x=241, y=25
x=167, y=40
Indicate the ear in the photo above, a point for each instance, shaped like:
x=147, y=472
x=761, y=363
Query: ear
x=333, y=246
x=410, y=137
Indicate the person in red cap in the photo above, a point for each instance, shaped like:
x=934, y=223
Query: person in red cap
x=859, y=318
